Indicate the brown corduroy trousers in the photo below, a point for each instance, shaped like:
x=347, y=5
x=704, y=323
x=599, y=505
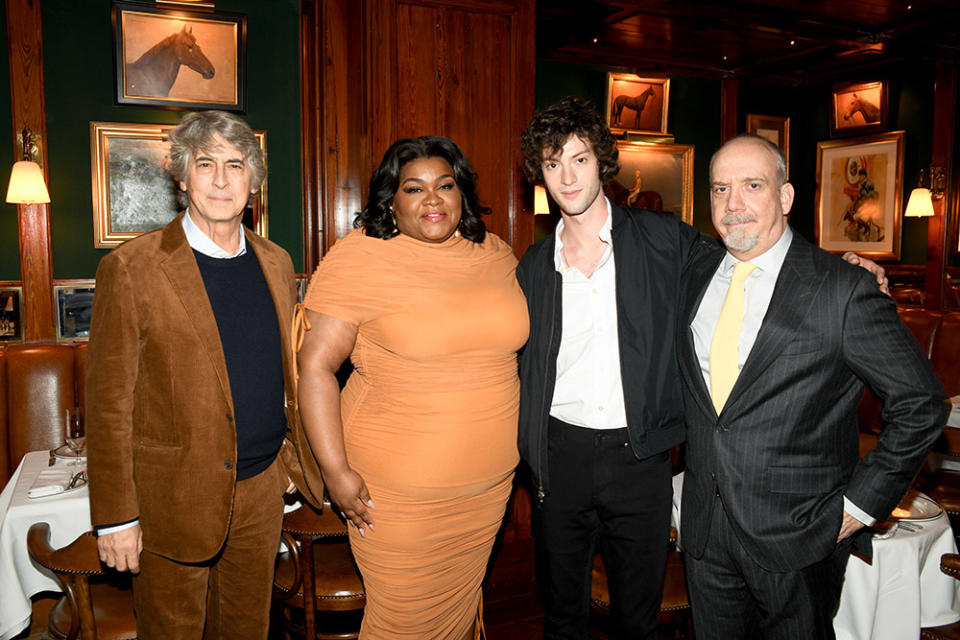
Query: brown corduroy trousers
x=229, y=595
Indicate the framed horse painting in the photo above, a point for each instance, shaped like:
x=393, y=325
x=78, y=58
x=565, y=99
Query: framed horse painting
x=654, y=176
x=637, y=105
x=133, y=193
x=179, y=59
x=858, y=107
x=859, y=184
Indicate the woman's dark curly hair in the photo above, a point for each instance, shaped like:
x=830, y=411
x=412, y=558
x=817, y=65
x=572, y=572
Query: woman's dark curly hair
x=550, y=128
x=376, y=217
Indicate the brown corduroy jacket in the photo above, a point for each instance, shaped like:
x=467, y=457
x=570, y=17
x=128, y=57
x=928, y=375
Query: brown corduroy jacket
x=160, y=435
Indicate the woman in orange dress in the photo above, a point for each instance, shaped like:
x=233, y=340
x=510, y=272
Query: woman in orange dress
x=419, y=449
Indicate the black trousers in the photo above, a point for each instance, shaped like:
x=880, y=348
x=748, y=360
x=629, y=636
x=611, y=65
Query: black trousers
x=732, y=597
x=600, y=490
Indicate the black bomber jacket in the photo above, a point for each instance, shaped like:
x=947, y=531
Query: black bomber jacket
x=651, y=250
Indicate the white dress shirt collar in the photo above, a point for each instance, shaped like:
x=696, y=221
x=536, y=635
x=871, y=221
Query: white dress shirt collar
x=769, y=261
x=201, y=242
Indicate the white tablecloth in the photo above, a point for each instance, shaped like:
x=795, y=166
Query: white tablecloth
x=68, y=515
x=903, y=589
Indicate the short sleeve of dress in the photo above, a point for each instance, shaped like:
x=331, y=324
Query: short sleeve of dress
x=342, y=286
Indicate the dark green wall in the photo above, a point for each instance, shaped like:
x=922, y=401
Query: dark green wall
x=911, y=108
x=79, y=80
x=9, y=245
x=694, y=118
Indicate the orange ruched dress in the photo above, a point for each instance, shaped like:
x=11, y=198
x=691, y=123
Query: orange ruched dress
x=429, y=418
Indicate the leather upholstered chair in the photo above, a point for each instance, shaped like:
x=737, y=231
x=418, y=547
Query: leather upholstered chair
x=317, y=575
x=950, y=565
x=40, y=386
x=675, y=604
x=91, y=609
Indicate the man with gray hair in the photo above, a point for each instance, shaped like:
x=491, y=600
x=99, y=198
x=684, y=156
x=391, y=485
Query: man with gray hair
x=192, y=423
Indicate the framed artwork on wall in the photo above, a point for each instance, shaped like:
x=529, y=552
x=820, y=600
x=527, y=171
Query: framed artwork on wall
x=178, y=58
x=776, y=129
x=654, y=176
x=11, y=312
x=858, y=204
x=637, y=105
x=74, y=299
x=858, y=107
x=132, y=193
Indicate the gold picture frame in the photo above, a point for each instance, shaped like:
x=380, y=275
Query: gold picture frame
x=132, y=193
x=636, y=101
x=776, y=129
x=654, y=176
x=74, y=302
x=11, y=312
x=859, y=107
x=859, y=195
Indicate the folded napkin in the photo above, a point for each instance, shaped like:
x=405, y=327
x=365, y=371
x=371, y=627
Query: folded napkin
x=50, y=482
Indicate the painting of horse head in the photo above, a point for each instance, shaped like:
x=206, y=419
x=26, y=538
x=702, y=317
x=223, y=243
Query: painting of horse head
x=173, y=58
x=155, y=71
x=858, y=107
x=867, y=110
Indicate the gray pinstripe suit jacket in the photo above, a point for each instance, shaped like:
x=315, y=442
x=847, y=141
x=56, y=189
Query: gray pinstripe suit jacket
x=785, y=448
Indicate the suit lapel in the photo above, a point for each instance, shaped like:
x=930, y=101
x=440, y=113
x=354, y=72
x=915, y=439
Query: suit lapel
x=793, y=294
x=274, y=272
x=695, y=285
x=181, y=270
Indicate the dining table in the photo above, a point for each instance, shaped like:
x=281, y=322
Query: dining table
x=897, y=592
x=68, y=514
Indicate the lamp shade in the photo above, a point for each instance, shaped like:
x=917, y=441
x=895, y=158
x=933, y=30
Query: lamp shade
x=920, y=204
x=26, y=184
x=540, y=204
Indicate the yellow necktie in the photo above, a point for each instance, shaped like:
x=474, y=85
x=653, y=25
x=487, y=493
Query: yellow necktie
x=725, y=348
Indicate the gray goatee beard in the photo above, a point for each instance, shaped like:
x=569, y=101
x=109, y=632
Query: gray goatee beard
x=738, y=239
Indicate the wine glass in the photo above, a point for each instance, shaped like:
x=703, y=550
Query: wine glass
x=75, y=433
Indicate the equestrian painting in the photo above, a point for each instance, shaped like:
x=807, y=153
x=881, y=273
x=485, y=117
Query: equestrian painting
x=654, y=176
x=859, y=107
x=178, y=60
x=637, y=105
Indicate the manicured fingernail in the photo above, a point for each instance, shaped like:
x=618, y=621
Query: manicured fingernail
x=370, y=504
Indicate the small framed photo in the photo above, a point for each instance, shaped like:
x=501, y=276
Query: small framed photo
x=637, y=105
x=858, y=108
x=74, y=300
x=654, y=176
x=11, y=313
x=178, y=58
x=776, y=129
x=132, y=192
x=302, y=281
x=859, y=195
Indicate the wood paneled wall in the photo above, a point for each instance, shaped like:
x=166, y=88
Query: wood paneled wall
x=398, y=68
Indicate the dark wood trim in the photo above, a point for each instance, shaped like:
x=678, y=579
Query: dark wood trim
x=944, y=127
x=520, y=198
x=25, y=40
x=729, y=88
x=311, y=106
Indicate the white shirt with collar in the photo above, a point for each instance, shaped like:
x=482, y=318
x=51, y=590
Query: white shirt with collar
x=201, y=242
x=588, y=390
x=758, y=291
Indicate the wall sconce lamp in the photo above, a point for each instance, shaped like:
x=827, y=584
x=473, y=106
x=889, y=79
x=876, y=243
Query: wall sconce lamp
x=540, y=204
x=26, y=179
x=921, y=200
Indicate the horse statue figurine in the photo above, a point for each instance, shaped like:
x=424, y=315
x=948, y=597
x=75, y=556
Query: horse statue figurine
x=156, y=70
x=869, y=111
x=637, y=103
